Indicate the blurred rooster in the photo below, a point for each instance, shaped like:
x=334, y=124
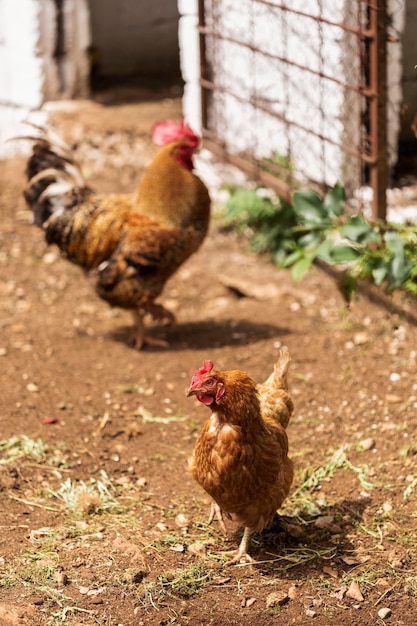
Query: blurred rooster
x=241, y=454
x=129, y=247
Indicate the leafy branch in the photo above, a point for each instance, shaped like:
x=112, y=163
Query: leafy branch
x=315, y=228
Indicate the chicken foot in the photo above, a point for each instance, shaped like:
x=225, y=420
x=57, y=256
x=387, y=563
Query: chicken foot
x=139, y=338
x=216, y=512
x=241, y=554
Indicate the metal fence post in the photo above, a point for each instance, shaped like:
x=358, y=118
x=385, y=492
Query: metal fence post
x=378, y=106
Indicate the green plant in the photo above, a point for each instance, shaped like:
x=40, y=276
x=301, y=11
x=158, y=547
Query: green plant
x=314, y=228
x=88, y=498
x=183, y=582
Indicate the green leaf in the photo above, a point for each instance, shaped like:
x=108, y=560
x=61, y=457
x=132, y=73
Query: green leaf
x=293, y=257
x=334, y=200
x=379, y=273
x=344, y=254
x=357, y=229
x=309, y=207
x=301, y=267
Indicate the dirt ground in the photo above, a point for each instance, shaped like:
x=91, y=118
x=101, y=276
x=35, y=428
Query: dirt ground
x=100, y=521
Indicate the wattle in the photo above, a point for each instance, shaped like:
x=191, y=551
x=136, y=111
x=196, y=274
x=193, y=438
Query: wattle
x=205, y=399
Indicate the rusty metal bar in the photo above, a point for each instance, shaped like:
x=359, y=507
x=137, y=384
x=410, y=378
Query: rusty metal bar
x=378, y=106
x=203, y=61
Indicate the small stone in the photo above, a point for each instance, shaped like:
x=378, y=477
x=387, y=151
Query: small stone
x=49, y=258
x=32, y=387
x=310, y=613
x=367, y=444
x=250, y=601
x=324, y=522
x=199, y=549
x=276, y=598
x=134, y=576
x=61, y=579
x=3, y=351
x=392, y=398
x=179, y=547
x=292, y=592
x=354, y=592
x=83, y=590
x=395, y=377
x=360, y=338
x=384, y=612
x=161, y=526
x=330, y=571
x=182, y=521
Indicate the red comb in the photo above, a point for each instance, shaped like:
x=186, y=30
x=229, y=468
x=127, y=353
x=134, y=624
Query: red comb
x=204, y=369
x=170, y=130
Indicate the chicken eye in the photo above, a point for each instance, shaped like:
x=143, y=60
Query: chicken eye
x=210, y=382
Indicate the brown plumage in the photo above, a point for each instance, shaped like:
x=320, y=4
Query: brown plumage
x=129, y=247
x=241, y=454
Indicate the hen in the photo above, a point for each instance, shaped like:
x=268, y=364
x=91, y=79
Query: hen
x=241, y=454
x=128, y=247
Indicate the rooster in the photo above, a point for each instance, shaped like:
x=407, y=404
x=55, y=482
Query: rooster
x=241, y=454
x=128, y=247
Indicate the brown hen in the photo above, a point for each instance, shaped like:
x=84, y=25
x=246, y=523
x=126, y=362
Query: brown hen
x=128, y=247
x=241, y=454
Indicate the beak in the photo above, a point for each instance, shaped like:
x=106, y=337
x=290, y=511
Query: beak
x=191, y=392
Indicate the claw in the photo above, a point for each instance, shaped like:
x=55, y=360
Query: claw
x=139, y=340
x=216, y=512
x=241, y=554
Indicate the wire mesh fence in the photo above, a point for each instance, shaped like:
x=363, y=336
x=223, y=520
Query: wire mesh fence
x=295, y=91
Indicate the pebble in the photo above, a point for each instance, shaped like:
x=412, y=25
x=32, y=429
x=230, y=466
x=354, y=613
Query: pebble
x=182, y=521
x=384, y=612
x=199, y=549
x=367, y=444
x=61, y=579
x=360, y=338
x=324, y=522
x=179, y=547
x=276, y=598
x=354, y=592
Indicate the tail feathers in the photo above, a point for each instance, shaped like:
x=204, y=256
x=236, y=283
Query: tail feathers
x=275, y=401
x=54, y=178
x=279, y=375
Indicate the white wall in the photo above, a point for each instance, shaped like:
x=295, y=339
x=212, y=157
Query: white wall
x=30, y=74
x=301, y=97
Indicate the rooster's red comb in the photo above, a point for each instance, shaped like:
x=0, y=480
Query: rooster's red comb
x=170, y=130
x=204, y=369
